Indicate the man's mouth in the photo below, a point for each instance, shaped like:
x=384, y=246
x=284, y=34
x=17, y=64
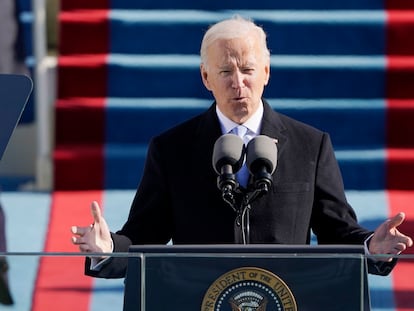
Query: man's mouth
x=239, y=98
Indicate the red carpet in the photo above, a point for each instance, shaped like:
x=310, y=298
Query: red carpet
x=403, y=272
x=82, y=91
x=78, y=155
x=61, y=284
x=400, y=113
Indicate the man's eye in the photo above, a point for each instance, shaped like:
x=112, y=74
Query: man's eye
x=225, y=72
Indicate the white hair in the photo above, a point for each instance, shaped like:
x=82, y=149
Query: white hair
x=235, y=27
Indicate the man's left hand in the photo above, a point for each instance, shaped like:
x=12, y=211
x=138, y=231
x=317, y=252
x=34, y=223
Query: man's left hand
x=388, y=240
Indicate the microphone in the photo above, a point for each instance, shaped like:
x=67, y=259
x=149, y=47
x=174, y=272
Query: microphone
x=261, y=160
x=228, y=157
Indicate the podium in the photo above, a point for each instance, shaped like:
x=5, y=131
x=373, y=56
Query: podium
x=246, y=278
x=14, y=94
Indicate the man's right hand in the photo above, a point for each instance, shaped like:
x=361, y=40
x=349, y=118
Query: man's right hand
x=95, y=238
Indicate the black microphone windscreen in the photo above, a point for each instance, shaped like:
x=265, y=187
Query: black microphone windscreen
x=261, y=150
x=228, y=150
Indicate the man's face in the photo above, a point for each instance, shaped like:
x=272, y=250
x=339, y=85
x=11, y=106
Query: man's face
x=236, y=73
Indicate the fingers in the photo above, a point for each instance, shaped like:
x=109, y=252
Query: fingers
x=80, y=230
x=82, y=238
x=407, y=241
x=97, y=216
x=396, y=220
x=79, y=233
x=82, y=245
x=86, y=237
x=394, y=223
x=96, y=212
x=400, y=247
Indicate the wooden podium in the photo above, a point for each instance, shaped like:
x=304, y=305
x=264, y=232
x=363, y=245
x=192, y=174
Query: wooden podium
x=247, y=278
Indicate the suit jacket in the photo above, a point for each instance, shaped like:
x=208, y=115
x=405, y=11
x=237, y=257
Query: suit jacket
x=178, y=197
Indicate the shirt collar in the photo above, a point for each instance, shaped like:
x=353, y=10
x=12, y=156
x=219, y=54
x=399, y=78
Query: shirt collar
x=253, y=123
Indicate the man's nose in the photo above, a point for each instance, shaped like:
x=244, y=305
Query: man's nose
x=238, y=80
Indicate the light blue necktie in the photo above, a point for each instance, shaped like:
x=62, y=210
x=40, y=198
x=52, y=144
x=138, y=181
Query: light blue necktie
x=243, y=174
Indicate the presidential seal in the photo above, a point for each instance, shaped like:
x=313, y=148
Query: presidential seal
x=249, y=289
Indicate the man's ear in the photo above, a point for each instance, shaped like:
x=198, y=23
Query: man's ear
x=267, y=72
x=204, y=77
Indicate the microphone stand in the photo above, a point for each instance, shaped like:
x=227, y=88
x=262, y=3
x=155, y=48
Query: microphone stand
x=240, y=199
x=242, y=221
x=261, y=165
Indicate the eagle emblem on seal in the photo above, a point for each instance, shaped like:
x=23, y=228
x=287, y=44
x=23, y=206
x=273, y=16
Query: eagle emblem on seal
x=248, y=289
x=248, y=301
